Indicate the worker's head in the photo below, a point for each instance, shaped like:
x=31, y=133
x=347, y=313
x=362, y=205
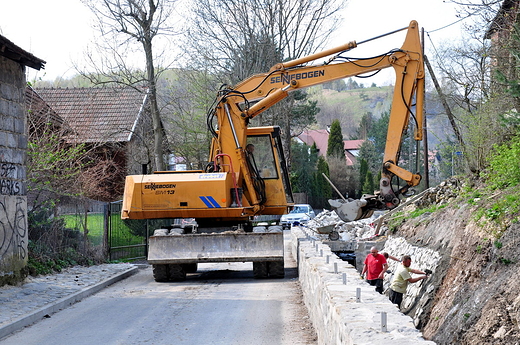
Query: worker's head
x=385, y=254
x=374, y=251
x=407, y=260
x=250, y=148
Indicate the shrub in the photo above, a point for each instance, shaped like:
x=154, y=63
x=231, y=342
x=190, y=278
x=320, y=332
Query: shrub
x=504, y=165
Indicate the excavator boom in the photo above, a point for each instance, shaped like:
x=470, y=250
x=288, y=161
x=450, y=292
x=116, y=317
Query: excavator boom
x=260, y=92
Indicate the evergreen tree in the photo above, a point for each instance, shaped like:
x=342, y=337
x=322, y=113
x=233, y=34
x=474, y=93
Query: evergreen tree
x=303, y=169
x=378, y=132
x=335, y=148
x=303, y=112
x=337, y=85
x=367, y=151
x=351, y=84
x=322, y=186
x=365, y=125
x=363, y=172
x=368, y=186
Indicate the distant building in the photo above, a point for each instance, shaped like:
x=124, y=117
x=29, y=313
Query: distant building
x=320, y=137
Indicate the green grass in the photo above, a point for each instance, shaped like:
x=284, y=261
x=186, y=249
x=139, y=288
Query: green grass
x=420, y=211
x=122, y=235
x=94, y=223
x=500, y=210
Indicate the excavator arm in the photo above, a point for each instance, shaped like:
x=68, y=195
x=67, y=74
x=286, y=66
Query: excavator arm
x=237, y=105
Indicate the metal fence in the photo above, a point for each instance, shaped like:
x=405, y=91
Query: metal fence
x=127, y=239
x=101, y=224
x=84, y=219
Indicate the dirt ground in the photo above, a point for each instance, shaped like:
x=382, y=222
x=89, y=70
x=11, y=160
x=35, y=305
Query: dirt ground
x=475, y=298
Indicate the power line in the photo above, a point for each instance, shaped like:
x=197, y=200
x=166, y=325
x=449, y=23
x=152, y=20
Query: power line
x=455, y=22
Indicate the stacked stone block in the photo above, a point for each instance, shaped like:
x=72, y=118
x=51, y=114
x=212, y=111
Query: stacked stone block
x=13, y=148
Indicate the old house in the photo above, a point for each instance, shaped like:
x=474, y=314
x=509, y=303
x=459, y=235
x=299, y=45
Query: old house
x=505, y=45
x=113, y=125
x=502, y=29
x=13, y=152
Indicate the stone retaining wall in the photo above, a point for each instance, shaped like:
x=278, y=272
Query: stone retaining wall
x=337, y=314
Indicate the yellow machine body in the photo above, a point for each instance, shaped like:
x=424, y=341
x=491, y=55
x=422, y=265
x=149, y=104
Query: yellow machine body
x=198, y=194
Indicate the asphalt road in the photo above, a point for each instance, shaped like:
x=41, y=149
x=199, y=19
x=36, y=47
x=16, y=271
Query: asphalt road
x=220, y=304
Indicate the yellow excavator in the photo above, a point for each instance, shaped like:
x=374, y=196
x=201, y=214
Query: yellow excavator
x=247, y=173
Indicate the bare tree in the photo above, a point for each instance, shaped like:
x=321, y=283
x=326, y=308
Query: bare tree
x=128, y=26
x=468, y=74
x=186, y=94
x=238, y=38
x=241, y=37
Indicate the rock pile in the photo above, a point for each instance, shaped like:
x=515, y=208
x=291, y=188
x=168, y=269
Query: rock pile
x=445, y=192
x=350, y=231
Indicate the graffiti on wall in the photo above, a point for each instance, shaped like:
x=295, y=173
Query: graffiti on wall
x=13, y=227
x=8, y=184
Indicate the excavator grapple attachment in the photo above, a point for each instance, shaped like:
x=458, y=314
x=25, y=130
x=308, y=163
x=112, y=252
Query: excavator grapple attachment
x=351, y=210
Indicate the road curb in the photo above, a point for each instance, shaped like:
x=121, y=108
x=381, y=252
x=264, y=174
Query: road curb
x=63, y=303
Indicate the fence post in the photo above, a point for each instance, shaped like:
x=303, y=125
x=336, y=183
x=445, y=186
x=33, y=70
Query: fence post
x=106, y=226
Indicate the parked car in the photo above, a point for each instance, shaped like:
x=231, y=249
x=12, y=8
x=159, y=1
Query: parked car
x=300, y=214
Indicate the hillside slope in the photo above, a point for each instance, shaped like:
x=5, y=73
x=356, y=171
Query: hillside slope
x=473, y=296
x=349, y=106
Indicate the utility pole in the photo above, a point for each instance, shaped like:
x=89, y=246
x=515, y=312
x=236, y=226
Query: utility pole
x=425, y=133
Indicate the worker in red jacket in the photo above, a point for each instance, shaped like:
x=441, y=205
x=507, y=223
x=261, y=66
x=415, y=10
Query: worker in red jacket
x=375, y=267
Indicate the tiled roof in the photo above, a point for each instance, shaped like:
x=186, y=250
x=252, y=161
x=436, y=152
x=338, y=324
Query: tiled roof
x=352, y=144
x=40, y=110
x=318, y=136
x=96, y=115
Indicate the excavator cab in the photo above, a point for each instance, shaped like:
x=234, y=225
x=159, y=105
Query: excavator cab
x=268, y=168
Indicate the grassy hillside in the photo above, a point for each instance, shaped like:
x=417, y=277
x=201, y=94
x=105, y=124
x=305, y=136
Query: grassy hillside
x=350, y=105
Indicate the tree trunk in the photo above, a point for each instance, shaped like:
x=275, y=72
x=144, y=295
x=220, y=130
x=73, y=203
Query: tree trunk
x=154, y=109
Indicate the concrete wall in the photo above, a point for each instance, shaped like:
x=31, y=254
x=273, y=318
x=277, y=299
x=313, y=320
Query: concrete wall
x=339, y=317
x=13, y=147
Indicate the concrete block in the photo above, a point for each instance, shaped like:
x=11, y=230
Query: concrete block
x=12, y=140
x=19, y=123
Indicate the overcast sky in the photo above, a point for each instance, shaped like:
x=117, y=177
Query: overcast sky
x=58, y=31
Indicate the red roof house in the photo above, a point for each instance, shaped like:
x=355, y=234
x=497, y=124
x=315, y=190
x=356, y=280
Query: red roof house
x=321, y=138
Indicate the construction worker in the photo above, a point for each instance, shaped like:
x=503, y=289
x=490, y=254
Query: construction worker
x=401, y=279
x=375, y=267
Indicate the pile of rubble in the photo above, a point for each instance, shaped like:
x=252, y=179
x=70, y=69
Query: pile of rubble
x=445, y=192
x=361, y=229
